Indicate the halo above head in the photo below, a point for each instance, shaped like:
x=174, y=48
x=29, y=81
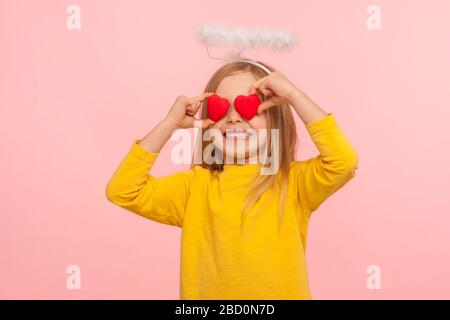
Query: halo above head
x=244, y=38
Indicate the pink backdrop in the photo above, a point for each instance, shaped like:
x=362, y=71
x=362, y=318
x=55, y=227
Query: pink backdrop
x=72, y=101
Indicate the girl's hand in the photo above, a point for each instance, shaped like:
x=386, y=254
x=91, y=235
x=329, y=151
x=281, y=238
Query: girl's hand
x=182, y=114
x=275, y=86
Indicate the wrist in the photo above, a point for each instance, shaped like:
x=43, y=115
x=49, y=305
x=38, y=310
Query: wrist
x=293, y=95
x=169, y=124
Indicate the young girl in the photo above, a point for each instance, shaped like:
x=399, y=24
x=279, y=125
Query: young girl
x=243, y=233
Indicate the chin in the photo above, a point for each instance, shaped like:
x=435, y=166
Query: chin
x=242, y=156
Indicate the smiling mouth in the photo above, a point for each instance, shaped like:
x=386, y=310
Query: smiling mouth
x=237, y=134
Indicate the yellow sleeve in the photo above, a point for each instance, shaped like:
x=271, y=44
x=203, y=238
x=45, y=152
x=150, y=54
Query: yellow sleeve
x=323, y=175
x=161, y=199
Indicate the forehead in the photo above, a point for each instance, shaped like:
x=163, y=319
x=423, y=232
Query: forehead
x=236, y=84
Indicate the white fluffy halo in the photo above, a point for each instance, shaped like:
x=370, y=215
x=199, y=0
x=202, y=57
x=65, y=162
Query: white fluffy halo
x=245, y=38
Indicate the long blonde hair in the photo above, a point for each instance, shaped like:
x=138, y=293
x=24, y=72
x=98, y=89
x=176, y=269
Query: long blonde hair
x=279, y=117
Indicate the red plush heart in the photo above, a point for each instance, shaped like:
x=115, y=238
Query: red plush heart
x=217, y=107
x=247, y=106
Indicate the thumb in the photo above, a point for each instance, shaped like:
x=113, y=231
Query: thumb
x=207, y=122
x=265, y=105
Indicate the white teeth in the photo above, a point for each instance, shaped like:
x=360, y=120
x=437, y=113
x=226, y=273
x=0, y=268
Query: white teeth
x=237, y=134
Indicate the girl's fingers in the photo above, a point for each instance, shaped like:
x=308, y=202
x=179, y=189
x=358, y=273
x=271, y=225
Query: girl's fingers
x=203, y=96
x=191, y=103
x=189, y=122
x=195, y=103
x=196, y=106
x=272, y=102
x=189, y=111
x=265, y=105
x=267, y=92
x=259, y=84
x=206, y=123
x=189, y=107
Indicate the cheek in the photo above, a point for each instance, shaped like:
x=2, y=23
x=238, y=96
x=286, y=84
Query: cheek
x=217, y=124
x=258, y=122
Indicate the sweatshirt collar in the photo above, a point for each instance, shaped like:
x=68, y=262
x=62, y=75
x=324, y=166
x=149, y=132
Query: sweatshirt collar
x=250, y=168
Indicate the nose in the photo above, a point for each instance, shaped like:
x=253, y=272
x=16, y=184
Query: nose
x=233, y=116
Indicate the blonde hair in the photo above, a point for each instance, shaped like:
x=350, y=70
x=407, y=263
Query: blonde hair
x=279, y=117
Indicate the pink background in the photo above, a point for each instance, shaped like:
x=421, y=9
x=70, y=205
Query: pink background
x=72, y=101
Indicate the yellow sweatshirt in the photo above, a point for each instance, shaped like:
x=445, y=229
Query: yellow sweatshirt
x=217, y=262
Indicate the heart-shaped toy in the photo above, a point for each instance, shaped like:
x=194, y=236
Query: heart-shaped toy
x=217, y=107
x=247, y=106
